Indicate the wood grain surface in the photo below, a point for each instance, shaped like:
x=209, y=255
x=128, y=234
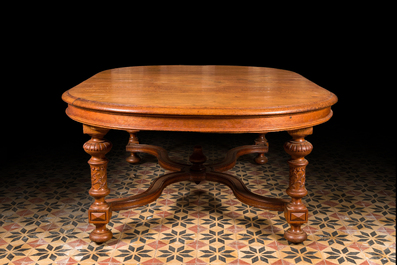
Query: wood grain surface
x=199, y=90
x=199, y=98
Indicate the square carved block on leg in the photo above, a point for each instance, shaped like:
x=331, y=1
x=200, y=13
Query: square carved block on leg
x=300, y=217
x=99, y=216
x=296, y=218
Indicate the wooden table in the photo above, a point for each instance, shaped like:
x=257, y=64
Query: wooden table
x=222, y=99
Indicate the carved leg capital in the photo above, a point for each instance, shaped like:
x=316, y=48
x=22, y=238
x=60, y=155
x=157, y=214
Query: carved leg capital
x=99, y=213
x=296, y=212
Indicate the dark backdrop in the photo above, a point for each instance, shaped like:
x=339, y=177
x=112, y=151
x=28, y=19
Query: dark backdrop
x=33, y=115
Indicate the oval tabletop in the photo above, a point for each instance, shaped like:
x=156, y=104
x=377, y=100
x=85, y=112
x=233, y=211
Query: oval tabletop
x=131, y=94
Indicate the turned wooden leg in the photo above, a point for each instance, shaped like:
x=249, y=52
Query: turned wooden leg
x=99, y=213
x=133, y=158
x=296, y=212
x=261, y=140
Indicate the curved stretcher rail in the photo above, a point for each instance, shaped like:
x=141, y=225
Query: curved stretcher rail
x=185, y=172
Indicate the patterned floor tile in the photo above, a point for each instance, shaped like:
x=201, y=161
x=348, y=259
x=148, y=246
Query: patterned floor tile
x=218, y=254
x=381, y=255
x=51, y=253
x=13, y=252
x=300, y=255
x=351, y=202
x=133, y=253
x=259, y=255
x=344, y=255
x=175, y=253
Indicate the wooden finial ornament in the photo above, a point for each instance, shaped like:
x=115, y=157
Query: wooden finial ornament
x=261, y=159
x=197, y=159
x=133, y=158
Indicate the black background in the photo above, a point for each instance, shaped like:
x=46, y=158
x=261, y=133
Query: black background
x=48, y=61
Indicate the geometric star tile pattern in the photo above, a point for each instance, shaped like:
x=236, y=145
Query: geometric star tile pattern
x=44, y=205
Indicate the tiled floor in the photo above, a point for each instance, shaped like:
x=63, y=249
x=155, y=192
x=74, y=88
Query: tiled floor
x=44, y=201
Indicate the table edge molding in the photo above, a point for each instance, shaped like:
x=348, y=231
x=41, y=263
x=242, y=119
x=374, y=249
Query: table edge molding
x=199, y=123
x=156, y=110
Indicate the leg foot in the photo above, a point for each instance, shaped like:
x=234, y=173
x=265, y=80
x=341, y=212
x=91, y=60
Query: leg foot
x=261, y=140
x=261, y=159
x=295, y=234
x=133, y=158
x=296, y=212
x=101, y=234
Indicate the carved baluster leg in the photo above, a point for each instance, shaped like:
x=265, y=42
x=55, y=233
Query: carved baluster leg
x=133, y=158
x=261, y=140
x=99, y=213
x=296, y=212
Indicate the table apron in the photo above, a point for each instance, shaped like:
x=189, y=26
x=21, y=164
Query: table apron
x=219, y=124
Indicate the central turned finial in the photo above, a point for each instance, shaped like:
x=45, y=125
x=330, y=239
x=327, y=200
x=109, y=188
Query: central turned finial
x=197, y=159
